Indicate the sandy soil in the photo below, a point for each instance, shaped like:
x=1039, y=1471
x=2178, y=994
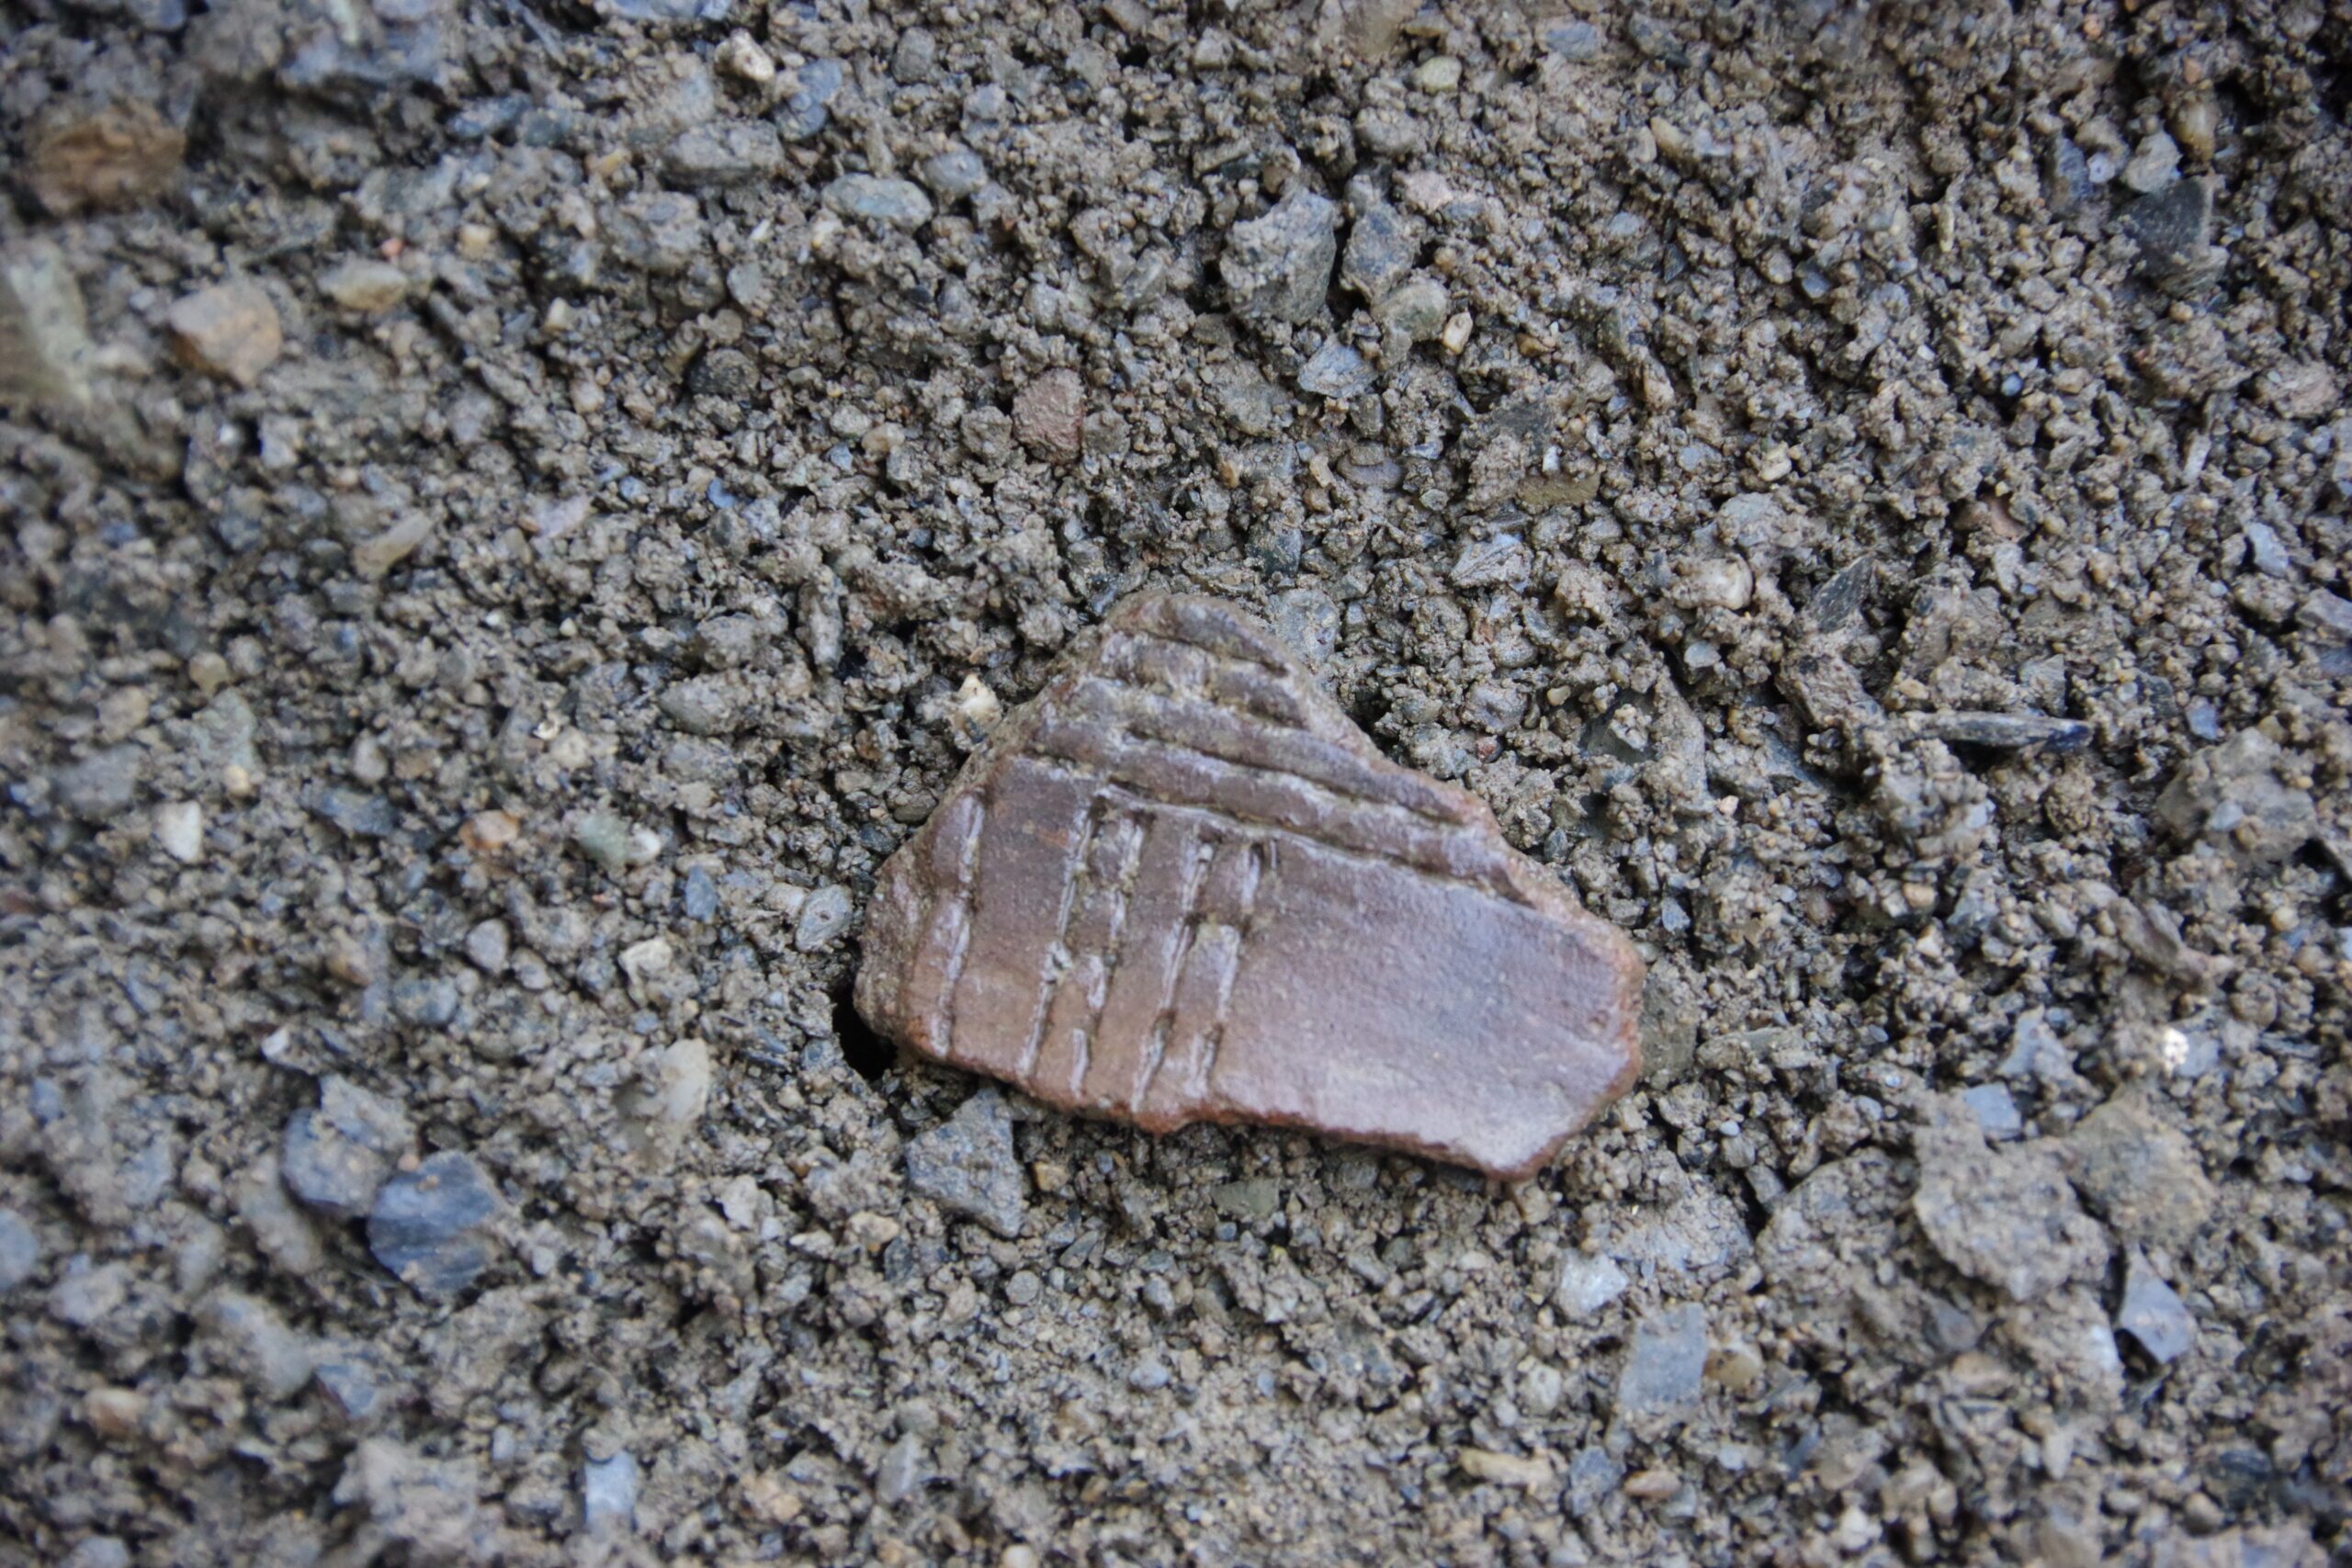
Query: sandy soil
x=515, y=510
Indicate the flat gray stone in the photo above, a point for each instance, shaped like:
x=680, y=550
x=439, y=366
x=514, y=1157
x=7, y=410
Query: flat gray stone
x=1666, y=1370
x=967, y=1164
x=430, y=1225
x=2153, y=1313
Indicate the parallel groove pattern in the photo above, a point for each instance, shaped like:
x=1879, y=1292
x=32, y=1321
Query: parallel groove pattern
x=1269, y=799
x=938, y=961
x=1090, y=939
x=1194, y=1026
x=1215, y=730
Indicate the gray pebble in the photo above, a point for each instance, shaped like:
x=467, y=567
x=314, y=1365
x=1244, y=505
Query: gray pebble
x=657, y=232
x=429, y=1002
x=249, y=1338
x=1416, y=309
x=100, y=788
x=901, y=1471
x=2035, y=1049
x=706, y=704
x=2153, y=1312
x=1593, y=1478
x=87, y=1295
x=1309, y=619
x=1995, y=1110
x=1336, y=371
x=2140, y=1172
x=338, y=1157
x=352, y=812
x=1252, y=1201
x=2009, y=731
x=701, y=895
x=97, y=1551
x=1655, y=39
x=670, y=10
x=608, y=1493
x=1278, y=267
x=1665, y=1370
x=899, y=204
x=1574, y=41
x=1587, y=1284
x=428, y=1225
x=955, y=174
x=732, y=153
x=487, y=946
x=2171, y=228
x=824, y=915
x=808, y=104
x=352, y=1386
x=2325, y=614
x=967, y=1164
x=604, y=838
x=2234, y=797
x=45, y=324
x=1381, y=251
x=20, y=1251
x=2067, y=182
x=2265, y=552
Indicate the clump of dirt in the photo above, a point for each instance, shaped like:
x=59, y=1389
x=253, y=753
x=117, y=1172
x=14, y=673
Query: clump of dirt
x=514, y=512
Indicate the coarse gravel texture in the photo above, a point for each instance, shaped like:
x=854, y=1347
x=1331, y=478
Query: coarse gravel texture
x=514, y=509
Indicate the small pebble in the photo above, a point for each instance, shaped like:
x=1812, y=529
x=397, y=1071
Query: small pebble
x=897, y=204
x=97, y=1551
x=487, y=946
x=609, y=1494
x=20, y=1251
x=1995, y=1110
x=1574, y=41
x=2155, y=165
x=365, y=285
x=428, y=1225
x=955, y=174
x=248, y=1338
x=179, y=830
x=824, y=915
x=230, y=331
x=1338, y=372
x=743, y=58
x=337, y=1157
x=967, y=1164
x=1048, y=413
x=1587, y=1284
x=901, y=1472
x=808, y=98
x=1665, y=1370
x=377, y=554
x=2153, y=1313
x=1279, y=265
x=1504, y=1469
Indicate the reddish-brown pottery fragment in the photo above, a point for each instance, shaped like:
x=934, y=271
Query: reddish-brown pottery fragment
x=1179, y=885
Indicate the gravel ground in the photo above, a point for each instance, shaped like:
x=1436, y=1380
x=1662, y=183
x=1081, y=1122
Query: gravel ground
x=516, y=509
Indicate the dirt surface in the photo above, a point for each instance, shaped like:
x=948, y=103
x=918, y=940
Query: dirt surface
x=515, y=510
